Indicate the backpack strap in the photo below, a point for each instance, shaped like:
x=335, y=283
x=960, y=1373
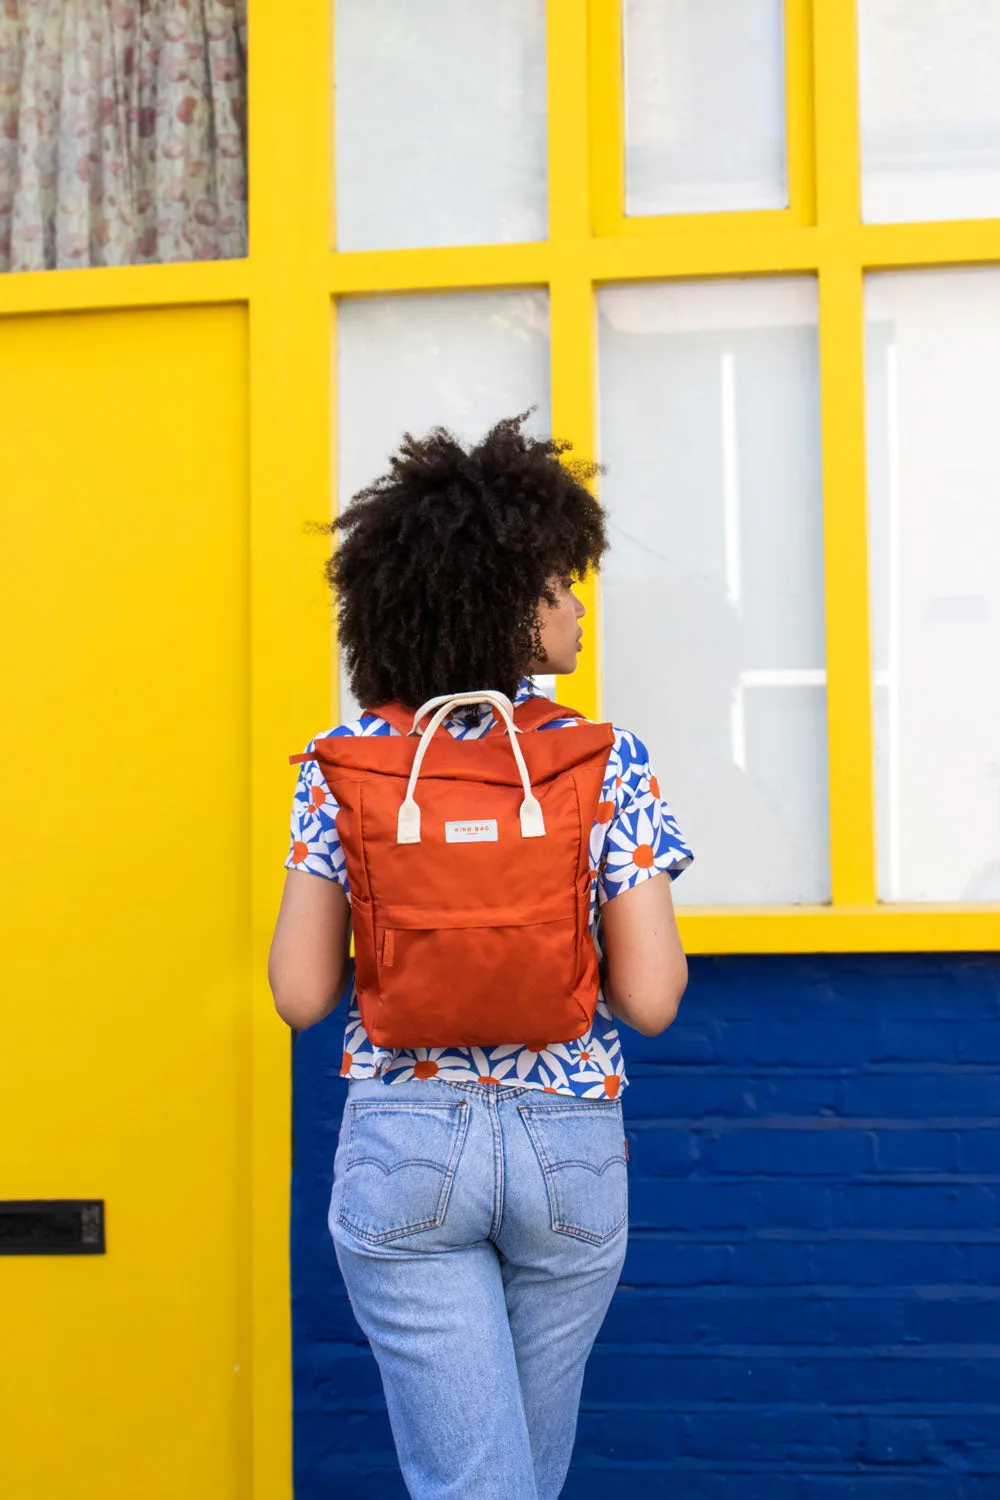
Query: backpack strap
x=531, y=714
x=395, y=714
x=536, y=711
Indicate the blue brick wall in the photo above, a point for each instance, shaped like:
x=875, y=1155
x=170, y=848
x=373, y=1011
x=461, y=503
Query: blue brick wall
x=810, y=1309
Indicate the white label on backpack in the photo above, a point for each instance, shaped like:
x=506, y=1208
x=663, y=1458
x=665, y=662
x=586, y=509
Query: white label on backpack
x=473, y=831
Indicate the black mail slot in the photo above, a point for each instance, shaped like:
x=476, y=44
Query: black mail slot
x=52, y=1226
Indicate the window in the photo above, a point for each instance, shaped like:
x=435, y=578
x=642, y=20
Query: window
x=930, y=109
x=123, y=134
x=406, y=364
x=704, y=106
x=645, y=216
x=713, y=588
x=440, y=123
x=933, y=365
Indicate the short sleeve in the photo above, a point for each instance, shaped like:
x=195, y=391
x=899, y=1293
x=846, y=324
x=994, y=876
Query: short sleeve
x=315, y=843
x=643, y=838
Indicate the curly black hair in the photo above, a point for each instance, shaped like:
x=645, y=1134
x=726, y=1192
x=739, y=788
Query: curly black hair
x=445, y=560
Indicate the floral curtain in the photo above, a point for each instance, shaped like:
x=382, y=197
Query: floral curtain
x=122, y=132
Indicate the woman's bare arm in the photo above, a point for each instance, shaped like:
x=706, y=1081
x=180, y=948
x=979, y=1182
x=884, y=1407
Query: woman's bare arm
x=645, y=966
x=307, y=964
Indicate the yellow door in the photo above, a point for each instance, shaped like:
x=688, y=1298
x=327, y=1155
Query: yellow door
x=123, y=612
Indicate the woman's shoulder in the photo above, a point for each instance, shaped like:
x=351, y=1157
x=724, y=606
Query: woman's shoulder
x=363, y=725
x=628, y=748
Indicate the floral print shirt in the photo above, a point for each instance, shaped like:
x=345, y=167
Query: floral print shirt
x=633, y=838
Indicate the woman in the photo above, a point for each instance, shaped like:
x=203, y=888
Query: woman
x=480, y=1268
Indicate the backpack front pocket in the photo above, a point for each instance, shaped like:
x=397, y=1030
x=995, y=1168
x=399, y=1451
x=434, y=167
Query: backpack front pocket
x=400, y=1163
x=479, y=986
x=581, y=1151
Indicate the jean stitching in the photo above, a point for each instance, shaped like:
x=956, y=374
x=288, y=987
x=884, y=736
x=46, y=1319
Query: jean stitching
x=574, y=1231
x=381, y=1104
x=485, y=1090
x=549, y=1170
x=498, y=1182
x=460, y=1129
x=605, y=1106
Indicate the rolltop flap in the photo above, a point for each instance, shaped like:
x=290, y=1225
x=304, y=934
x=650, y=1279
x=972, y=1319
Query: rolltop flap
x=487, y=760
x=534, y=712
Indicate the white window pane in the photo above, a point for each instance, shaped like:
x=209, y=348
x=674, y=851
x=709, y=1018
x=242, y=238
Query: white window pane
x=441, y=132
x=407, y=364
x=933, y=366
x=713, y=588
x=704, y=106
x=930, y=109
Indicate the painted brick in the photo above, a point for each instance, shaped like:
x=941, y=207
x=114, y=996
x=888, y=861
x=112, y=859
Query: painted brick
x=921, y=1093
x=658, y=1262
x=908, y=1486
x=916, y=1150
x=983, y=1261
x=953, y=1040
x=769, y=1262
x=979, y=1151
x=670, y=1152
x=809, y=1305
x=954, y=1320
x=789, y=1153
x=639, y=1379
x=896, y=1440
x=747, y=1044
x=805, y=1204
x=642, y=1317
x=686, y=1042
x=878, y=1263
x=328, y=1315
x=872, y=1321
x=679, y=1094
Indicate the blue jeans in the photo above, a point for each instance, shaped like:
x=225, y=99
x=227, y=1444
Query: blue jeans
x=481, y=1231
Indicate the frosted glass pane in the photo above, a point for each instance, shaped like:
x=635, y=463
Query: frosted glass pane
x=704, y=106
x=933, y=367
x=713, y=589
x=930, y=109
x=441, y=133
x=406, y=364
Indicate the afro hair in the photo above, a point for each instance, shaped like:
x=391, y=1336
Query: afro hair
x=444, y=561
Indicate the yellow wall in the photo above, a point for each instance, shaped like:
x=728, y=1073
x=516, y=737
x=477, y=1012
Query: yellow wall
x=166, y=642
x=164, y=630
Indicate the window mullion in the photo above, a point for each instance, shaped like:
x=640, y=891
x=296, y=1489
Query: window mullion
x=845, y=545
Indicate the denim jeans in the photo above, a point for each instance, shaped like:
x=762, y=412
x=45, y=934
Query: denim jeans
x=481, y=1231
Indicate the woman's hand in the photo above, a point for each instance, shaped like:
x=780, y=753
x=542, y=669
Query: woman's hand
x=645, y=966
x=307, y=965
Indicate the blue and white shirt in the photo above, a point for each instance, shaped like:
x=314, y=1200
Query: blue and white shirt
x=633, y=838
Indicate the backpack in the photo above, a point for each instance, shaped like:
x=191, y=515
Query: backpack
x=468, y=862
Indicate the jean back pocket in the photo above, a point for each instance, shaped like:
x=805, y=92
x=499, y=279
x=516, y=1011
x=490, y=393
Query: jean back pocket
x=399, y=1166
x=581, y=1151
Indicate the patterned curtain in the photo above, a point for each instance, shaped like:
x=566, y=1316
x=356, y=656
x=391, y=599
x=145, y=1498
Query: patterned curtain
x=122, y=132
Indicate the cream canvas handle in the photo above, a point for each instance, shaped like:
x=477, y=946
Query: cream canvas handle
x=408, y=825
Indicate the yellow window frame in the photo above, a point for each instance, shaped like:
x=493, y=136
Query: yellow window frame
x=591, y=242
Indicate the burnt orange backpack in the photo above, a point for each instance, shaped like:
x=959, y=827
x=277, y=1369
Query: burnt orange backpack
x=469, y=873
